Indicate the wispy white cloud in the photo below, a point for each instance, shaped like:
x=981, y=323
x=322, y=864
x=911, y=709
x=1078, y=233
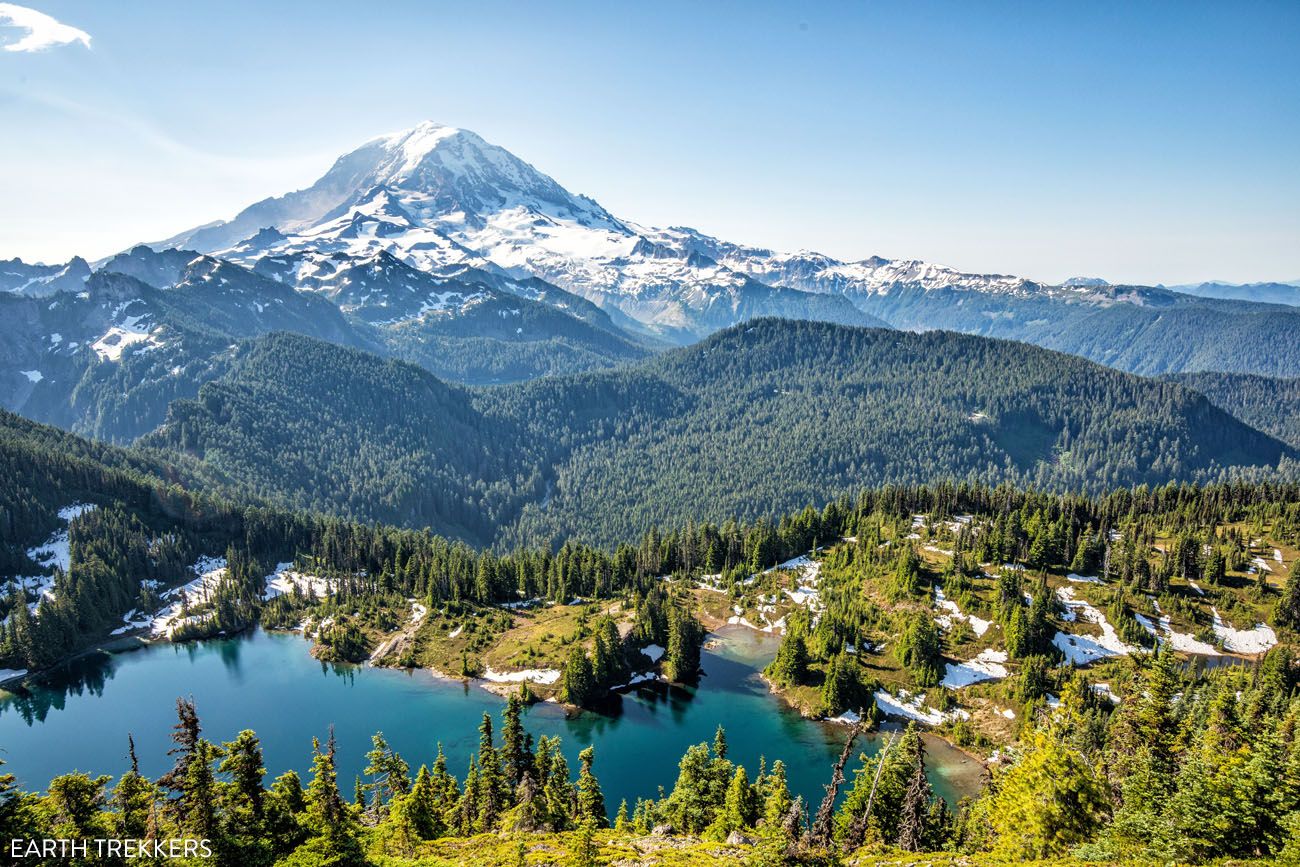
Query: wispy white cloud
x=42, y=31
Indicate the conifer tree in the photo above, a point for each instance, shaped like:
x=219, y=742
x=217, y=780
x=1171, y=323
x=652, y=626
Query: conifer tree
x=578, y=684
x=1050, y=799
x=420, y=806
x=514, y=756
x=1288, y=607
x=389, y=775
x=682, y=656
x=690, y=807
x=790, y=666
x=738, y=808
x=494, y=794
x=591, y=801
x=243, y=762
x=75, y=803
x=776, y=795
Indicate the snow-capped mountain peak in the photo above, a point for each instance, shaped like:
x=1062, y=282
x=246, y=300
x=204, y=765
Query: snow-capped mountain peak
x=443, y=200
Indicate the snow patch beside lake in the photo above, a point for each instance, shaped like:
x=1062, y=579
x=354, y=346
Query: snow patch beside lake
x=210, y=571
x=544, y=676
x=1180, y=641
x=1257, y=640
x=913, y=707
x=654, y=651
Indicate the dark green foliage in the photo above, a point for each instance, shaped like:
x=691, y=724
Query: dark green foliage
x=604, y=455
x=682, y=656
x=920, y=649
x=1269, y=404
x=790, y=667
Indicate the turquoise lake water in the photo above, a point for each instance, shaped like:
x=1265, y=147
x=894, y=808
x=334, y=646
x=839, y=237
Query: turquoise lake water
x=79, y=717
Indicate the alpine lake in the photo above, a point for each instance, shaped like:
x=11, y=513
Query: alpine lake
x=77, y=717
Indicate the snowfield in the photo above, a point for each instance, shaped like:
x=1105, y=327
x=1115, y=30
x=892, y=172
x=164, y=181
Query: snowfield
x=986, y=666
x=1180, y=641
x=55, y=550
x=1257, y=640
x=544, y=676
x=284, y=579
x=1083, y=649
x=980, y=625
x=54, y=553
x=210, y=571
x=912, y=707
x=109, y=347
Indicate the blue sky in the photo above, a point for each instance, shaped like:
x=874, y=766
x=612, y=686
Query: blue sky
x=1143, y=142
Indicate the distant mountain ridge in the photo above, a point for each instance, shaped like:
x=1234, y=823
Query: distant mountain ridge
x=747, y=422
x=1267, y=292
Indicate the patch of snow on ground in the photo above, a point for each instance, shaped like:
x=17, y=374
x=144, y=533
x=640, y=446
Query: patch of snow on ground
x=1196, y=587
x=210, y=571
x=1180, y=641
x=7, y=674
x=654, y=651
x=134, y=620
x=848, y=718
x=33, y=376
x=987, y=666
x=1256, y=640
x=418, y=611
x=711, y=582
x=119, y=337
x=285, y=579
x=1103, y=690
x=1083, y=579
x=545, y=676
x=523, y=603
x=912, y=707
x=1083, y=649
x=980, y=625
x=55, y=550
x=457, y=631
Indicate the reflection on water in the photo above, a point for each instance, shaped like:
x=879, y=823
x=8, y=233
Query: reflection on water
x=76, y=719
x=86, y=675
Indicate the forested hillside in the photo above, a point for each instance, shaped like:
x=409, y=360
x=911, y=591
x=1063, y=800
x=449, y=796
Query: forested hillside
x=1128, y=769
x=759, y=418
x=1269, y=404
x=316, y=426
